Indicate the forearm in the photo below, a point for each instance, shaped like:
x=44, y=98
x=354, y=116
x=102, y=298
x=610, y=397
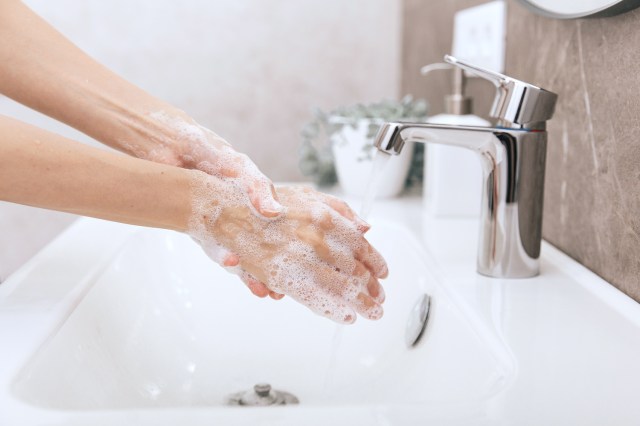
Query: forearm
x=40, y=68
x=46, y=170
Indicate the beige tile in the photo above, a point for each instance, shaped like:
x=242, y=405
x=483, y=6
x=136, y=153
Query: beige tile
x=592, y=196
x=427, y=37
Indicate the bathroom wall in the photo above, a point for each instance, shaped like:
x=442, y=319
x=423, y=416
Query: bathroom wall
x=249, y=69
x=427, y=36
x=592, y=194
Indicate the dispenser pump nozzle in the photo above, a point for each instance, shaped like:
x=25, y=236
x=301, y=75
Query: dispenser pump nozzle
x=456, y=103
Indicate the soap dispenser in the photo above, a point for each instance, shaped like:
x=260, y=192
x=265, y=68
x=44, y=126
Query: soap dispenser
x=452, y=175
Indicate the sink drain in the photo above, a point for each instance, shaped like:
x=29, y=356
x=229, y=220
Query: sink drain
x=260, y=396
x=417, y=321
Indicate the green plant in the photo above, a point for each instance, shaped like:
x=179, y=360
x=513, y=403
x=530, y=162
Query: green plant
x=316, y=158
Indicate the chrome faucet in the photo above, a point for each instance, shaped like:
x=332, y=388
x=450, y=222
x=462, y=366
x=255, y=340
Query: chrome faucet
x=512, y=155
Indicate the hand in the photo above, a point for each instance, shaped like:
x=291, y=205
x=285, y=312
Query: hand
x=195, y=147
x=180, y=141
x=313, y=252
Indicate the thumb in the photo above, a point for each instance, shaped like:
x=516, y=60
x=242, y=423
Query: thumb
x=263, y=197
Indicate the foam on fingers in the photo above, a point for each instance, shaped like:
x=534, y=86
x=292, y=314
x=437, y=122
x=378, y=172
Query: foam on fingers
x=372, y=259
x=334, y=310
x=275, y=296
x=375, y=290
x=307, y=253
x=346, y=211
x=367, y=307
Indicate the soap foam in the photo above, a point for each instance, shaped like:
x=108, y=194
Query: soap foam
x=223, y=221
x=206, y=151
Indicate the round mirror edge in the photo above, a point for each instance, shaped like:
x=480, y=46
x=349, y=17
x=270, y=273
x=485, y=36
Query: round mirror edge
x=621, y=7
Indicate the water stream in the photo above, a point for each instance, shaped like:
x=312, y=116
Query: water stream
x=380, y=161
x=333, y=359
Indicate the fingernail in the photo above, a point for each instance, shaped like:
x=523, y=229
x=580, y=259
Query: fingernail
x=231, y=260
x=383, y=272
x=272, y=210
x=258, y=289
x=271, y=213
x=362, y=225
x=276, y=296
x=374, y=288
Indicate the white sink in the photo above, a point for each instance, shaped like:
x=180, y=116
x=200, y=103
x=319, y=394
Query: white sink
x=115, y=324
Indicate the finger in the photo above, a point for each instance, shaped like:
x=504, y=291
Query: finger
x=219, y=254
x=375, y=290
x=255, y=286
x=325, y=292
x=231, y=260
x=372, y=260
x=263, y=197
x=341, y=314
x=218, y=169
x=258, y=289
x=345, y=211
x=336, y=311
x=262, y=194
x=275, y=296
x=367, y=307
x=337, y=254
x=226, y=172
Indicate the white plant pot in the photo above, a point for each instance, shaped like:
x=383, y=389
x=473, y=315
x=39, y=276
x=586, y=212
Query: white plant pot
x=353, y=153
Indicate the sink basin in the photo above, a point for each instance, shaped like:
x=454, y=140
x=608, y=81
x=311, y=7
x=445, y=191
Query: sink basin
x=143, y=328
x=161, y=326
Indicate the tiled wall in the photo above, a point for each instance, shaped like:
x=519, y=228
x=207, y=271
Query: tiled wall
x=427, y=37
x=592, y=194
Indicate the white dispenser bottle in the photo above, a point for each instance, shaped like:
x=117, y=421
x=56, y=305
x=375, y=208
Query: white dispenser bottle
x=453, y=176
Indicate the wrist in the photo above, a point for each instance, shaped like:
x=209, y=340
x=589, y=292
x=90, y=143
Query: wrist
x=150, y=136
x=205, y=199
x=170, y=136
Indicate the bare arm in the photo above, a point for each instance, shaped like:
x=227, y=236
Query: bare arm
x=40, y=68
x=43, y=70
x=46, y=72
x=312, y=251
x=46, y=170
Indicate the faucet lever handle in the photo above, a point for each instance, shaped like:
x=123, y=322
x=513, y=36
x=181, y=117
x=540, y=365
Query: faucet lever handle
x=517, y=104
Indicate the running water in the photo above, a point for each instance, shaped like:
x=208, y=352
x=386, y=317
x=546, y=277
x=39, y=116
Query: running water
x=333, y=358
x=380, y=162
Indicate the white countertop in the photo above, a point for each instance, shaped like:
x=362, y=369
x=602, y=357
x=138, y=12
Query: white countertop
x=564, y=345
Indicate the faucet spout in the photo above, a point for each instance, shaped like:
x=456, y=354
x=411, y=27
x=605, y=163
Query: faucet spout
x=513, y=164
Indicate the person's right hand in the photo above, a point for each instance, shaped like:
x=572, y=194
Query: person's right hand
x=189, y=145
x=314, y=252
x=184, y=143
